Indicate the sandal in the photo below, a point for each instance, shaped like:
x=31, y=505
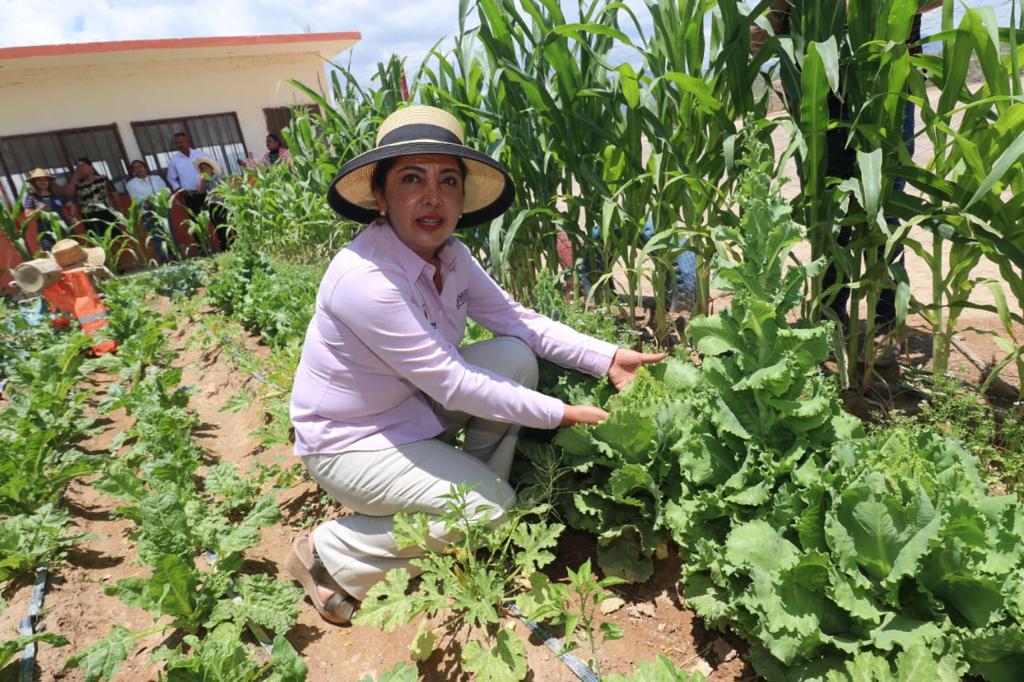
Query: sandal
x=334, y=606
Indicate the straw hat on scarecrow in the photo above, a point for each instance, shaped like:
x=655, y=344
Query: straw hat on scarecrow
x=70, y=254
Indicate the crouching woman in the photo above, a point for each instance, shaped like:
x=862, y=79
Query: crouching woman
x=383, y=382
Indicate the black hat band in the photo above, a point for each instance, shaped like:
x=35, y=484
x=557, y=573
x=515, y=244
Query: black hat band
x=417, y=132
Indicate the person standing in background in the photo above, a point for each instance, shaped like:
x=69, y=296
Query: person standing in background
x=210, y=176
x=51, y=223
x=95, y=196
x=841, y=159
x=182, y=175
x=141, y=189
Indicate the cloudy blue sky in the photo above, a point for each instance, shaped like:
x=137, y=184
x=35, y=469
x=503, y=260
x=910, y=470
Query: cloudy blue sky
x=404, y=27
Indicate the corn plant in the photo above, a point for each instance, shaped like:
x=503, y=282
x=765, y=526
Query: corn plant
x=13, y=225
x=979, y=140
x=116, y=238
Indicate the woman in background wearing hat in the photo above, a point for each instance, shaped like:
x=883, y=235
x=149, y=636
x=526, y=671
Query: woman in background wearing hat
x=95, y=195
x=51, y=223
x=383, y=383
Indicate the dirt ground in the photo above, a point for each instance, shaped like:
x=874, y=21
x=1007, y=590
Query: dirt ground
x=653, y=616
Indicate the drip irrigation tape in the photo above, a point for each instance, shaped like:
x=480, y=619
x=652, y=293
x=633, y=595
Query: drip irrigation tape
x=27, y=627
x=255, y=375
x=578, y=667
x=257, y=631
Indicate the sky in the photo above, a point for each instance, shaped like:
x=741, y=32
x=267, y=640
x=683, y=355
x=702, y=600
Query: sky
x=404, y=27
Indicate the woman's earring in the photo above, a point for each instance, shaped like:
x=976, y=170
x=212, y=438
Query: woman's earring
x=382, y=213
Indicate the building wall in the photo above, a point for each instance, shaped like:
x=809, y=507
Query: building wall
x=137, y=89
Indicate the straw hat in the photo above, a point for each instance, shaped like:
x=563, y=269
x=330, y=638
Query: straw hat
x=68, y=253
x=35, y=275
x=421, y=129
x=39, y=173
x=206, y=159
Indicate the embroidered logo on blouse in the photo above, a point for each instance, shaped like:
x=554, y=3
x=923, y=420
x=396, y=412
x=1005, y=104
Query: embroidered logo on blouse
x=461, y=299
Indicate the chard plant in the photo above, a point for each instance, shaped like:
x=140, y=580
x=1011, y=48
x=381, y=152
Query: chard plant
x=473, y=583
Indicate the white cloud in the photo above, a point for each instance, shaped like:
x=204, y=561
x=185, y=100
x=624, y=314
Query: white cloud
x=407, y=28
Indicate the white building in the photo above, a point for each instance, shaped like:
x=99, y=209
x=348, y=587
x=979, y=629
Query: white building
x=118, y=101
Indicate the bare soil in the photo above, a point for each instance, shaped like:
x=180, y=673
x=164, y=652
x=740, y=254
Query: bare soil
x=653, y=616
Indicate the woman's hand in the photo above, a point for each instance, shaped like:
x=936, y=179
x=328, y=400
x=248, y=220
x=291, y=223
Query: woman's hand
x=627, y=363
x=582, y=414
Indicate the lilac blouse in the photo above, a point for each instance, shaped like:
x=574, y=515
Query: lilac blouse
x=382, y=339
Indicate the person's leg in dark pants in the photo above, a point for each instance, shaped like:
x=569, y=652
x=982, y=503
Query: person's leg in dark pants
x=195, y=202
x=219, y=220
x=841, y=163
x=885, y=311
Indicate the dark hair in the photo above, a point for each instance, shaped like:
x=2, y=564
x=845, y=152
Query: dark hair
x=181, y=134
x=380, y=171
x=138, y=161
x=84, y=159
x=277, y=138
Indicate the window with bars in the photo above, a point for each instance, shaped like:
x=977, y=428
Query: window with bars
x=216, y=135
x=55, y=152
x=278, y=118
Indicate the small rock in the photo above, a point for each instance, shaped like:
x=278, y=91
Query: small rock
x=642, y=610
x=703, y=666
x=723, y=650
x=612, y=605
x=661, y=627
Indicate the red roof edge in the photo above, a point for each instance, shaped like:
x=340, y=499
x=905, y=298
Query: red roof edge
x=171, y=44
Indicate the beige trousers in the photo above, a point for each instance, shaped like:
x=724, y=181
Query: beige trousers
x=358, y=550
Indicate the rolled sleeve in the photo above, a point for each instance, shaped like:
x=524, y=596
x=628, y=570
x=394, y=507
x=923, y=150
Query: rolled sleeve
x=494, y=309
x=383, y=314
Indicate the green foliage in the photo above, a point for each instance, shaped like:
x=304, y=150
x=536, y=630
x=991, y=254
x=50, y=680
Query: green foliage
x=584, y=596
x=43, y=419
x=834, y=553
x=996, y=438
x=222, y=657
x=474, y=580
x=660, y=669
x=178, y=281
x=280, y=208
x=401, y=672
x=622, y=475
x=31, y=541
x=275, y=301
x=9, y=648
x=234, y=491
x=100, y=660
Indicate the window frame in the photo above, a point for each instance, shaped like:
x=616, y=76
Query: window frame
x=185, y=124
x=10, y=190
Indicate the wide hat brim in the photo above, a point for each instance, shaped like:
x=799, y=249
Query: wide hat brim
x=206, y=159
x=488, y=187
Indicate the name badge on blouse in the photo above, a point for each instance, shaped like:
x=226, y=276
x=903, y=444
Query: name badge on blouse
x=426, y=314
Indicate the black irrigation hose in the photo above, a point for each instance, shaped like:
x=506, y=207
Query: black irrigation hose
x=27, y=625
x=578, y=667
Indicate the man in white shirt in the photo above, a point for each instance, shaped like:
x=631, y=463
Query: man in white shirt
x=182, y=174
